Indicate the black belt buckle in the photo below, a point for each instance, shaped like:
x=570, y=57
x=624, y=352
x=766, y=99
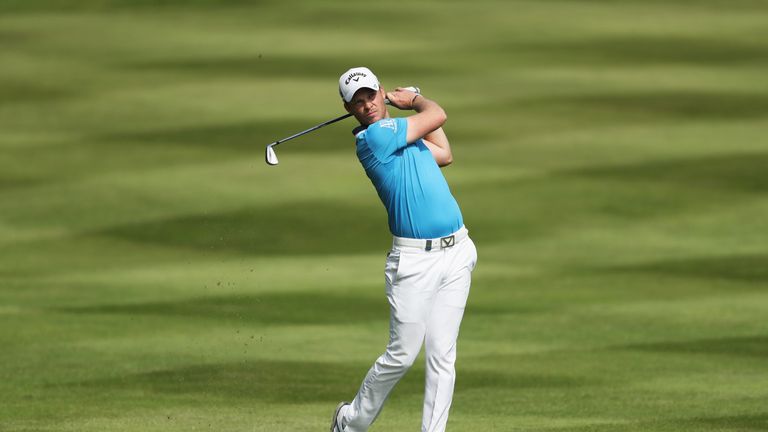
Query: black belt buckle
x=447, y=242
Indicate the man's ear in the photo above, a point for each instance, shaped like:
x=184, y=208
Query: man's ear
x=346, y=106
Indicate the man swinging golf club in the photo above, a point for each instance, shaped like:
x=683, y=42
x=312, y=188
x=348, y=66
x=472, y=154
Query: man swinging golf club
x=428, y=270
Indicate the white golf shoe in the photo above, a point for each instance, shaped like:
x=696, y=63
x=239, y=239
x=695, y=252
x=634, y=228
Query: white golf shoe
x=336, y=421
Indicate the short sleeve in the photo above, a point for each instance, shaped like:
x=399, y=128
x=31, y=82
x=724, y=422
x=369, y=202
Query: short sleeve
x=387, y=136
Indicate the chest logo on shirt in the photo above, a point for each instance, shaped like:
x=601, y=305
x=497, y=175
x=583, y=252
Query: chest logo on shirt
x=389, y=124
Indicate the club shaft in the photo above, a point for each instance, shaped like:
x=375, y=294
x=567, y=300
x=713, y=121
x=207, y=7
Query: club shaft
x=311, y=129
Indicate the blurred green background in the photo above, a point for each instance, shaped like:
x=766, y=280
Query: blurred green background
x=611, y=162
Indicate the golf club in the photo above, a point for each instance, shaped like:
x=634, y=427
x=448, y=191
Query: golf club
x=271, y=156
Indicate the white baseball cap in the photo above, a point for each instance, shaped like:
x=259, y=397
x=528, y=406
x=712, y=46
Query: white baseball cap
x=355, y=79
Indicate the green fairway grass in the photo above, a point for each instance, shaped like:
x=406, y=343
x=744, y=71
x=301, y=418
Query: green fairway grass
x=611, y=162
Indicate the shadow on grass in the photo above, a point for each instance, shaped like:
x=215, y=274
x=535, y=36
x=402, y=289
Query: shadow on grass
x=740, y=172
x=270, y=66
x=301, y=381
x=290, y=229
x=12, y=92
x=106, y=5
x=740, y=346
x=649, y=50
x=735, y=423
x=751, y=268
x=9, y=181
x=272, y=308
x=660, y=106
x=242, y=137
x=756, y=422
x=609, y=194
x=131, y=151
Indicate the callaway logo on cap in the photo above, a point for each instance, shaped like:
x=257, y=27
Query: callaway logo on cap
x=355, y=79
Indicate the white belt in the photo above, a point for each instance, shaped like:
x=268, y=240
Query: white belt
x=432, y=244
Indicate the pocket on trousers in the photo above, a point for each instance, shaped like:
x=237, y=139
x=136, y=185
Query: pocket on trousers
x=390, y=268
x=473, y=255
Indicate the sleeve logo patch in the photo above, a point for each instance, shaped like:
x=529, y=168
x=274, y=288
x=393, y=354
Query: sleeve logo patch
x=389, y=124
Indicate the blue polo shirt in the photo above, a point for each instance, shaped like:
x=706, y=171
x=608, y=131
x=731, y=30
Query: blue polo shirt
x=410, y=184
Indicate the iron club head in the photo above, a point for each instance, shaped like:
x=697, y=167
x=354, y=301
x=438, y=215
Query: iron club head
x=271, y=157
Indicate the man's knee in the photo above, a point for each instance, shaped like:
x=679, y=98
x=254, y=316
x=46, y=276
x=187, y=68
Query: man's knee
x=441, y=359
x=400, y=360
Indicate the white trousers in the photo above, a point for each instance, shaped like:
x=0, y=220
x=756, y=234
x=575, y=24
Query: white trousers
x=427, y=293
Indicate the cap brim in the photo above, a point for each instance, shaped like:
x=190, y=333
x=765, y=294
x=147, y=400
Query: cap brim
x=353, y=90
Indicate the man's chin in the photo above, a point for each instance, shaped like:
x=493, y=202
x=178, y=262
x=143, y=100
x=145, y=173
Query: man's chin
x=366, y=120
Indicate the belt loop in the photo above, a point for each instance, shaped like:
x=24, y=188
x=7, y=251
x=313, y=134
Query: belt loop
x=429, y=246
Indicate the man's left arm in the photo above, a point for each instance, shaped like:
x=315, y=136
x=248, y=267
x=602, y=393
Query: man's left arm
x=429, y=117
x=437, y=143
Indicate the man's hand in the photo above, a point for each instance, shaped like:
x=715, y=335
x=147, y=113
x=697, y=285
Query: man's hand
x=402, y=98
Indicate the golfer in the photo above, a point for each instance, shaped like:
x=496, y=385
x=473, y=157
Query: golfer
x=428, y=270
